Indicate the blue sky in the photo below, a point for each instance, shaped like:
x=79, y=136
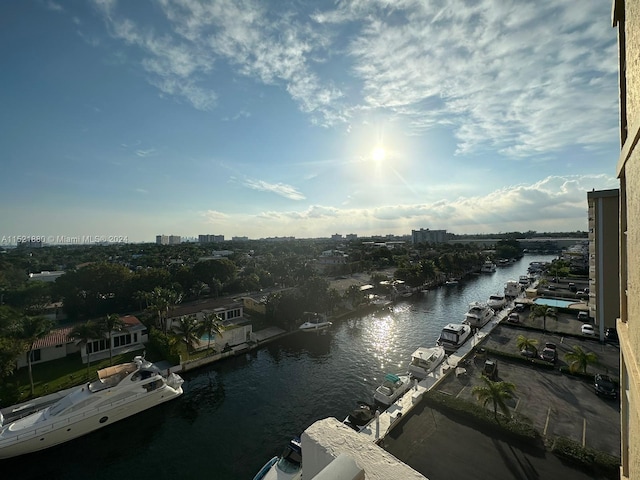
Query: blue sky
x=307, y=118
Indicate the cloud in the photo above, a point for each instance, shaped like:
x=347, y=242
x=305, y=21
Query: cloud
x=214, y=216
x=142, y=190
x=51, y=5
x=145, y=153
x=281, y=189
x=556, y=203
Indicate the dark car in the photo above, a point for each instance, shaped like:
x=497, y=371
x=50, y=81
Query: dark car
x=529, y=353
x=490, y=369
x=549, y=353
x=611, y=335
x=603, y=385
x=513, y=317
x=519, y=307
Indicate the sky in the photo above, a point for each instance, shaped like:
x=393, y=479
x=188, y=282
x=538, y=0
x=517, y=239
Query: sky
x=305, y=118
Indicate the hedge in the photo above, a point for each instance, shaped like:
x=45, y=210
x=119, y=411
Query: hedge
x=607, y=464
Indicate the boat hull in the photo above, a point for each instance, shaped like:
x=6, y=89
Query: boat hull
x=65, y=429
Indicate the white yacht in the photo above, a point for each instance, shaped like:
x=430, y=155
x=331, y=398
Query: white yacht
x=287, y=466
x=314, y=322
x=393, y=387
x=497, y=301
x=478, y=314
x=120, y=391
x=453, y=335
x=488, y=267
x=424, y=360
x=512, y=288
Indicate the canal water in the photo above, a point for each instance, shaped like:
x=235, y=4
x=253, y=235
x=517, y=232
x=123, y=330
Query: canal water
x=236, y=414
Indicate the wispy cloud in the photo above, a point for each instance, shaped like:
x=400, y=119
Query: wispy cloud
x=142, y=190
x=146, y=153
x=281, y=189
x=213, y=216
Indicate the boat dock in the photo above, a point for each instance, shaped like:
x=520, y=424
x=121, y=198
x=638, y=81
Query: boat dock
x=378, y=428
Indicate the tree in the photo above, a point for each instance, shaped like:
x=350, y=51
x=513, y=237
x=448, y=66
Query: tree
x=84, y=333
x=539, y=310
x=31, y=330
x=188, y=330
x=495, y=392
x=579, y=359
x=161, y=301
x=212, y=326
x=528, y=344
x=112, y=323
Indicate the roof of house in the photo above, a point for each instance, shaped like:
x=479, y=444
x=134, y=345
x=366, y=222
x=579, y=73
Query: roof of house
x=60, y=336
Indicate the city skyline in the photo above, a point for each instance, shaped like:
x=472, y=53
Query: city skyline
x=124, y=120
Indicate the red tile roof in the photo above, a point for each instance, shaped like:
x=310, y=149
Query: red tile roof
x=60, y=336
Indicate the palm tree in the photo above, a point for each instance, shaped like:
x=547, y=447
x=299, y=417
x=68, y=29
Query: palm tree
x=539, y=310
x=528, y=344
x=112, y=323
x=84, y=333
x=31, y=330
x=188, y=330
x=579, y=359
x=212, y=326
x=496, y=392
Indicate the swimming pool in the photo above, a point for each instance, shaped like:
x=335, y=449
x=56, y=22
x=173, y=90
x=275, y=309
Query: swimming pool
x=554, y=302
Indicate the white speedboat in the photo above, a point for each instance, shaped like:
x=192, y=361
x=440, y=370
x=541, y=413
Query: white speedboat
x=424, y=360
x=497, y=301
x=287, y=466
x=120, y=391
x=512, y=288
x=453, y=336
x=315, y=322
x=488, y=267
x=478, y=314
x=392, y=388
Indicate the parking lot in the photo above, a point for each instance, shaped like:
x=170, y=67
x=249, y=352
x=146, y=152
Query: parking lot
x=556, y=403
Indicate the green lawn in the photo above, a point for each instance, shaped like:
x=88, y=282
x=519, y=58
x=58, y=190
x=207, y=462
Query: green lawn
x=49, y=377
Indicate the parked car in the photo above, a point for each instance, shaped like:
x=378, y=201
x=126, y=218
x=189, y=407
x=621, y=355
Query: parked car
x=582, y=315
x=611, y=335
x=490, y=369
x=533, y=353
x=582, y=293
x=513, y=317
x=587, y=329
x=551, y=286
x=549, y=353
x=519, y=307
x=603, y=385
x=572, y=287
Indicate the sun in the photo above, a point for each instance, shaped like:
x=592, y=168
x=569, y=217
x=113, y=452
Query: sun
x=379, y=154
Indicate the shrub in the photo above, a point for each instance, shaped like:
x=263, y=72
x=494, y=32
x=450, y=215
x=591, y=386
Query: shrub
x=573, y=451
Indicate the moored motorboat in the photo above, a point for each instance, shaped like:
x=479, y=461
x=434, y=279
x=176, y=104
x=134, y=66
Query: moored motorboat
x=488, y=267
x=287, y=466
x=314, y=322
x=512, y=289
x=424, y=361
x=478, y=314
x=360, y=416
x=120, y=391
x=392, y=388
x=497, y=301
x=453, y=335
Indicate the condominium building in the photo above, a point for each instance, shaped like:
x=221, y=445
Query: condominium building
x=626, y=18
x=604, y=288
x=428, y=236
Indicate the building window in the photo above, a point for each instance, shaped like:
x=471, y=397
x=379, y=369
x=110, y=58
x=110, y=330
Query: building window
x=35, y=355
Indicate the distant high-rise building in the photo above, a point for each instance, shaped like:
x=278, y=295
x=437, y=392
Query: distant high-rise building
x=240, y=239
x=336, y=237
x=174, y=239
x=210, y=238
x=162, y=239
x=351, y=236
x=428, y=236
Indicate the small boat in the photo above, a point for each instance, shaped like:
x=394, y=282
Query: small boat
x=360, y=416
x=524, y=280
x=488, y=267
x=287, y=466
x=120, y=391
x=478, y=314
x=453, y=336
x=392, y=388
x=424, y=360
x=497, y=301
x=315, y=322
x=451, y=281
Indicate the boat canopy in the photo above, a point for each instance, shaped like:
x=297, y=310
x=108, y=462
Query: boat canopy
x=390, y=377
x=125, y=369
